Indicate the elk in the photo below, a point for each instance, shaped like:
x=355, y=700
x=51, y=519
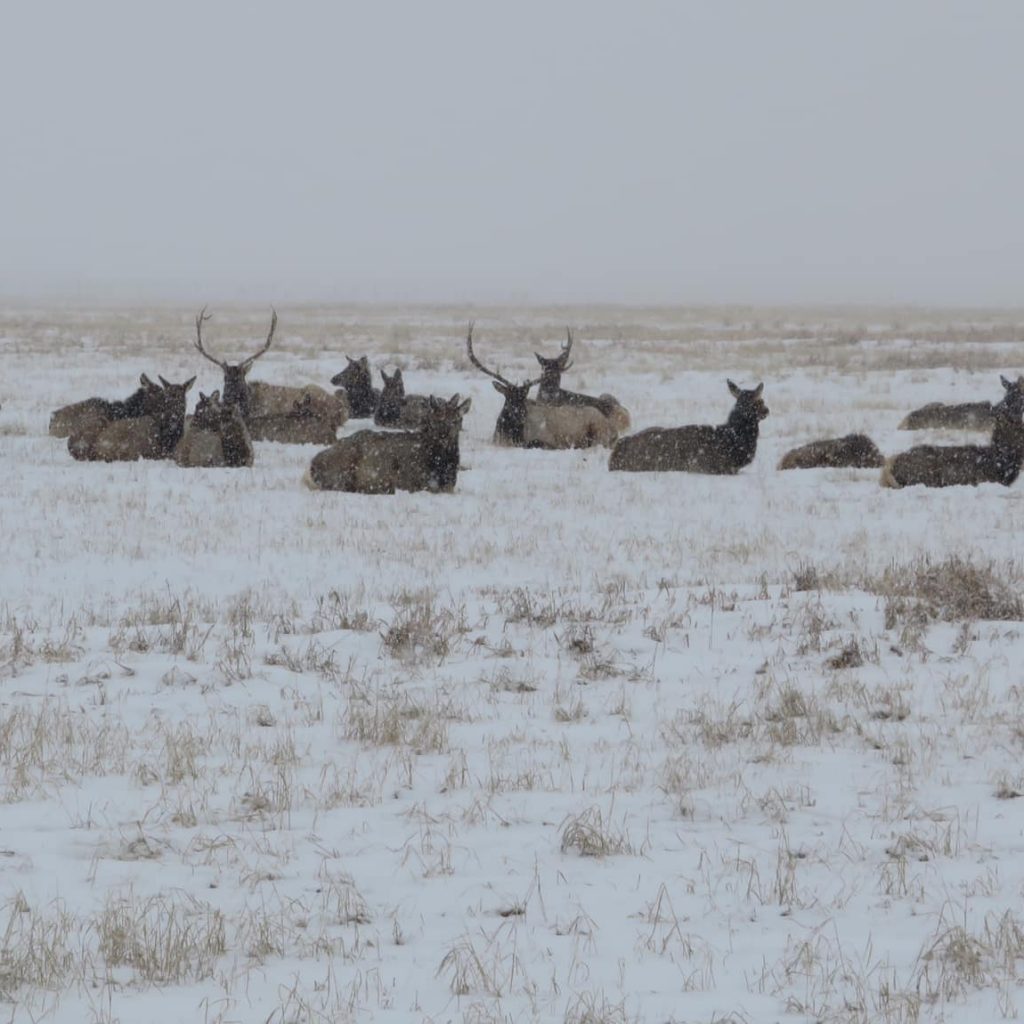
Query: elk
x=551, y=391
x=357, y=383
x=397, y=409
x=524, y=423
x=724, y=449
x=215, y=435
x=381, y=461
x=949, y=465
x=74, y=418
x=263, y=406
x=966, y=416
x=857, y=451
x=153, y=435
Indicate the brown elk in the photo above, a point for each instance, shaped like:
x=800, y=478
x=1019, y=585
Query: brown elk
x=74, y=418
x=855, y=451
x=397, y=409
x=381, y=462
x=724, y=449
x=938, y=415
x=215, y=435
x=153, y=435
x=948, y=465
x=551, y=391
x=357, y=383
x=524, y=423
x=264, y=407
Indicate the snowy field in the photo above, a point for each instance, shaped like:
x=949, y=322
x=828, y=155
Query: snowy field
x=565, y=746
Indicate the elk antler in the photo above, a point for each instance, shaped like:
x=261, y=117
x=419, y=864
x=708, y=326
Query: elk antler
x=270, y=337
x=200, y=320
x=490, y=373
x=566, y=349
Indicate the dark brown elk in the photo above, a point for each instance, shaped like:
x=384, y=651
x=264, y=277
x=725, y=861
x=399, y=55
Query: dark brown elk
x=724, y=449
x=153, y=435
x=524, y=423
x=855, y=451
x=551, y=391
x=215, y=435
x=75, y=417
x=357, y=383
x=382, y=462
x=938, y=415
x=265, y=407
x=397, y=409
x=949, y=465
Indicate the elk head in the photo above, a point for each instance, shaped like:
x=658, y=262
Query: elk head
x=552, y=369
x=512, y=418
x=356, y=376
x=749, y=403
x=236, y=391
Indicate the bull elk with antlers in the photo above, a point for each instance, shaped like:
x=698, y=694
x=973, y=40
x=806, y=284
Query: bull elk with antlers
x=525, y=423
x=551, y=391
x=272, y=412
x=381, y=462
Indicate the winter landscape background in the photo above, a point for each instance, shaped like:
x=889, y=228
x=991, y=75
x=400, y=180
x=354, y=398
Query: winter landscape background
x=562, y=746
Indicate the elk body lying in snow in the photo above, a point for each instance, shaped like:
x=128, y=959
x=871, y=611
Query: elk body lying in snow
x=524, y=423
x=76, y=417
x=724, y=449
x=551, y=391
x=268, y=408
x=215, y=435
x=857, y=451
x=153, y=435
x=357, y=383
x=397, y=409
x=947, y=465
x=938, y=415
x=382, y=462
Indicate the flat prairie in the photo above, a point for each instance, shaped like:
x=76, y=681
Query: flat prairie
x=563, y=746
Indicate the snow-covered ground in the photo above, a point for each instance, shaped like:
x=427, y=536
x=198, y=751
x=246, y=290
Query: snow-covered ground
x=564, y=746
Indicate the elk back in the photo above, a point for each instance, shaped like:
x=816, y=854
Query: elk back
x=854, y=450
x=567, y=426
x=119, y=441
x=938, y=415
x=375, y=462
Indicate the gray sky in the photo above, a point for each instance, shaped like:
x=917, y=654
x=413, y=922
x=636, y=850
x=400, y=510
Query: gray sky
x=626, y=152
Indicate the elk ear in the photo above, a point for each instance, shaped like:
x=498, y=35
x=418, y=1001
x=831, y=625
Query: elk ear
x=464, y=408
x=540, y=358
x=397, y=374
x=1006, y=383
x=350, y=359
x=165, y=383
x=733, y=390
x=434, y=403
x=499, y=387
x=145, y=381
x=214, y=396
x=758, y=390
x=188, y=384
x=365, y=363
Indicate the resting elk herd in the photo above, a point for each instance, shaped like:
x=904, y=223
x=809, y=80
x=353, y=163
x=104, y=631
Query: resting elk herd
x=417, y=447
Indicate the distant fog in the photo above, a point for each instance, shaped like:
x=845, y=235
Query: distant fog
x=650, y=152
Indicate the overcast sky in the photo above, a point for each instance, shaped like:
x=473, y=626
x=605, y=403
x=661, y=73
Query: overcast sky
x=621, y=152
